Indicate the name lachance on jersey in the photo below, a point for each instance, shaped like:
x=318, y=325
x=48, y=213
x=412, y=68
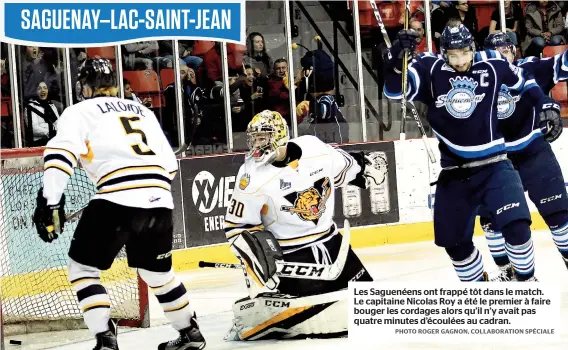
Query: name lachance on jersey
x=309, y=204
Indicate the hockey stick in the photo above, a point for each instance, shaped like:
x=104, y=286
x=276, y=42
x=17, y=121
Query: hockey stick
x=69, y=218
x=219, y=265
x=305, y=270
x=413, y=109
x=182, y=149
x=404, y=74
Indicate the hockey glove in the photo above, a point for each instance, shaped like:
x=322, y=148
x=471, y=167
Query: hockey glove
x=405, y=42
x=549, y=119
x=373, y=169
x=49, y=220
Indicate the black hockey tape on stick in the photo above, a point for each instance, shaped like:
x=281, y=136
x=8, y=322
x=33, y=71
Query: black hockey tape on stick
x=219, y=265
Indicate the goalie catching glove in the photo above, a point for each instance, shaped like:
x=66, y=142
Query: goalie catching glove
x=259, y=252
x=49, y=220
x=373, y=170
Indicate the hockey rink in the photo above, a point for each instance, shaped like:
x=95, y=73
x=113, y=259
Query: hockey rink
x=214, y=290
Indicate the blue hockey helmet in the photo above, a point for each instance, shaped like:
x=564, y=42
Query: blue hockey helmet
x=456, y=37
x=497, y=40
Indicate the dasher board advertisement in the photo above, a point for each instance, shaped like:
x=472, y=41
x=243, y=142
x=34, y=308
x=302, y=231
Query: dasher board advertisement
x=207, y=184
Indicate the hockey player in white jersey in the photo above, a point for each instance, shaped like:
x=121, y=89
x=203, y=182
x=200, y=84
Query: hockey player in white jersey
x=123, y=150
x=281, y=212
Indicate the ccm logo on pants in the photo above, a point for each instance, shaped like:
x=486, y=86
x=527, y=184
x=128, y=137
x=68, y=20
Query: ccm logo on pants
x=507, y=207
x=550, y=199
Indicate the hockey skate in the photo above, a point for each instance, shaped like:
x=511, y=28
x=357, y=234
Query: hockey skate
x=506, y=274
x=190, y=338
x=532, y=279
x=107, y=340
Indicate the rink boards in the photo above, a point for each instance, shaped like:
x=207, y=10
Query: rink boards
x=412, y=171
x=399, y=210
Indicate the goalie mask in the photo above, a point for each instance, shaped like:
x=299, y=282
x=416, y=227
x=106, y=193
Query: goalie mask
x=266, y=132
x=96, y=74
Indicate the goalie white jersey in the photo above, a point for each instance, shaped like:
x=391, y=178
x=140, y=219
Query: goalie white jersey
x=122, y=148
x=295, y=202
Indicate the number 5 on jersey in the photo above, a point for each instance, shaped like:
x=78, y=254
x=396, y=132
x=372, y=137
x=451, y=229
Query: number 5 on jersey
x=129, y=129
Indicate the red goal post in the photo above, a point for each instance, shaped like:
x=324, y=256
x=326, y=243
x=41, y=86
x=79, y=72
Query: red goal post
x=35, y=293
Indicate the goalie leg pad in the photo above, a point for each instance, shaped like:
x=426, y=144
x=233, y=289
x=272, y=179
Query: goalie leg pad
x=258, y=253
x=94, y=301
x=276, y=316
x=171, y=295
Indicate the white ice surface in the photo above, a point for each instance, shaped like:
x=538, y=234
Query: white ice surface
x=214, y=290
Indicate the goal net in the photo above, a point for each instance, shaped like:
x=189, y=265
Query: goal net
x=35, y=292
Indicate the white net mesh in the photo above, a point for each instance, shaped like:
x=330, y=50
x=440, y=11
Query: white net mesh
x=33, y=276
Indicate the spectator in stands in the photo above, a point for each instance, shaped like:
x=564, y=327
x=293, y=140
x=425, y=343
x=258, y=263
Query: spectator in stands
x=192, y=119
x=278, y=89
x=41, y=116
x=185, y=51
x=466, y=15
x=130, y=95
x=34, y=69
x=4, y=70
x=325, y=119
x=256, y=55
x=251, y=99
x=439, y=17
x=212, y=68
x=139, y=55
x=513, y=17
x=544, y=23
x=422, y=45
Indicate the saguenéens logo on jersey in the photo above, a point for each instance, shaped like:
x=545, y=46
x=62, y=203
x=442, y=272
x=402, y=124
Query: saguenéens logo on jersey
x=309, y=204
x=506, y=103
x=461, y=100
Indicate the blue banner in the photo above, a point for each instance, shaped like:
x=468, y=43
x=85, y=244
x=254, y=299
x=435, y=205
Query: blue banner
x=68, y=24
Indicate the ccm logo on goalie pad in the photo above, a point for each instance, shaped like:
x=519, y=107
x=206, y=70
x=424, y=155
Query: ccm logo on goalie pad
x=508, y=206
x=277, y=303
x=291, y=270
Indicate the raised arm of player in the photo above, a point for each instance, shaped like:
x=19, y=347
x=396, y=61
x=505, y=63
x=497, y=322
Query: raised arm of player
x=516, y=78
x=418, y=70
x=547, y=109
x=548, y=71
x=61, y=154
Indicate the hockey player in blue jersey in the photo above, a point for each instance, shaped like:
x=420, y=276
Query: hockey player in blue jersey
x=530, y=151
x=461, y=89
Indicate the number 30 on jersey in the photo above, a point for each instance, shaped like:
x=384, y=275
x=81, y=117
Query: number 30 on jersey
x=236, y=208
